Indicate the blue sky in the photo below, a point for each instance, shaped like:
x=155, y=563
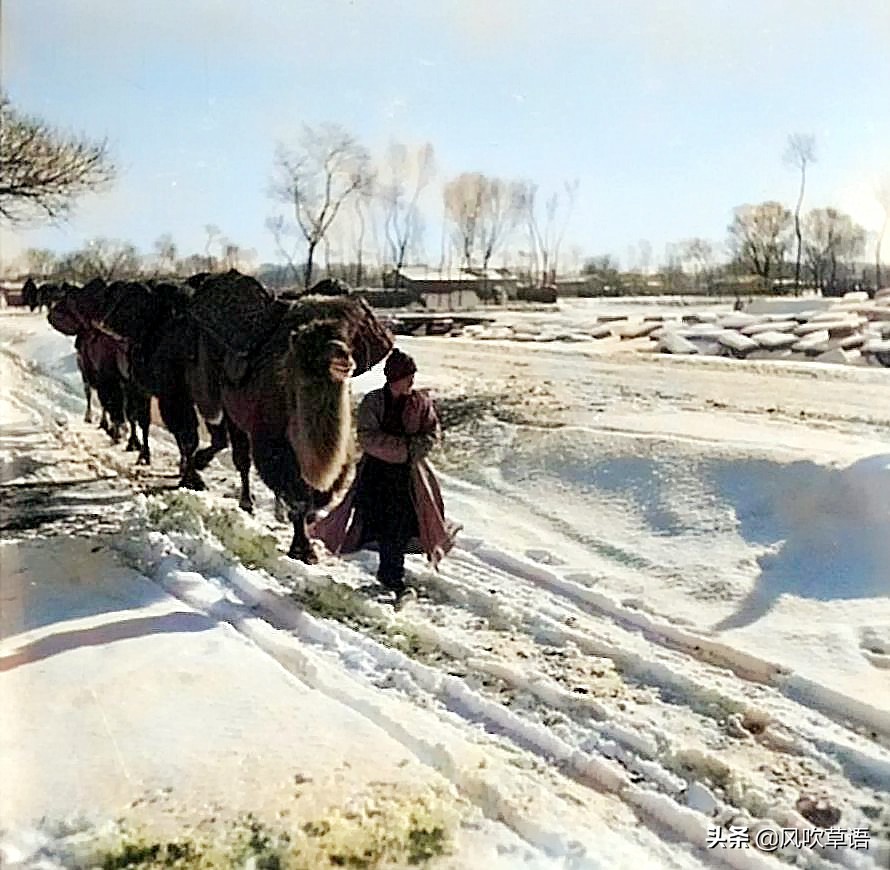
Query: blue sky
x=669, y=112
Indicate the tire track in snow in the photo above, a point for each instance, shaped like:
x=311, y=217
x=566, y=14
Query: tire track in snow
x=575, y=589
x=704, y=685
x=779, y=748
x=623, y=739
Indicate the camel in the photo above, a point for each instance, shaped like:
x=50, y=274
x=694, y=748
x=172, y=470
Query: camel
x=76, y=312
x=286, y=398
x=147, y=322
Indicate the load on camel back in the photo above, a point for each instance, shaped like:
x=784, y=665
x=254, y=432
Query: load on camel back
x=278, y=372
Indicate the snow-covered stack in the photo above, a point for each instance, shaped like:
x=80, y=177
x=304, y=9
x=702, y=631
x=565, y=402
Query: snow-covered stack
x=850, y=330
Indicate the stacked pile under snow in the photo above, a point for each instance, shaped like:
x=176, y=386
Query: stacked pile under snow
x=851, y=330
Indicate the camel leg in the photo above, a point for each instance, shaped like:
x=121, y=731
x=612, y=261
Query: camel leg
x=131, y=411
x=88, y=392
x=111, y=395
x=277, y=466
x=301, y=546
x=133, y=438
x=178, y=414
x=139, y=414
x=241, y=458
x=218, y=441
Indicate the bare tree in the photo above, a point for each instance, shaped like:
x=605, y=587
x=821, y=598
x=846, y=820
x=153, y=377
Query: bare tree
x=214, y=234
x=404, y=176
x=165, y=254
x=799, y=152
x=548, y=236
x=570, y=189
x=645, y=248
x=883, y=197
x=832, y=238
x=191, y=264
x=758, y=237
x=279, y=229
x=42, y=171
x=499, y=215
x=527, y=205
x=110, y=259
x=326, y=249
x=41, y=262
x=602, y=272
x=545, y=236
x=231, y=254
x=463, y=197
x=698, y=255
x=317, y=177
x=362, y=206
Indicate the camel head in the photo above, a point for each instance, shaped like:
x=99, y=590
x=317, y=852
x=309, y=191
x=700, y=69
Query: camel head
x=359, y=329
x=49, y=293
x=76, y=309
x=319, y=412
x=64, y=316
x=321, y=351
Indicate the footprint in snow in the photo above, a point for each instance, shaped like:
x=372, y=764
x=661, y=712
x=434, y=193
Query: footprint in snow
x=875, y=646
x=545, y=557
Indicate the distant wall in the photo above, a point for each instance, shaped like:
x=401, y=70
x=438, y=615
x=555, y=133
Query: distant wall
x=772, y=305
x=451, y=300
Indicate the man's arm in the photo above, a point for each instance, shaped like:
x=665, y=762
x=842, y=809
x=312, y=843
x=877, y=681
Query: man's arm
x=429, y=431
x=373, y=440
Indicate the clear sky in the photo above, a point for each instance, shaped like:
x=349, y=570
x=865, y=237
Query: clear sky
x=669, y=112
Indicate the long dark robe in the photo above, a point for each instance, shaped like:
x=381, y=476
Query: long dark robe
x=344, y=529
x=383, y=495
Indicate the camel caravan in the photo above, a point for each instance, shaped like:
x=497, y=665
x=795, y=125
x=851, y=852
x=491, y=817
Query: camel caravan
x=268, y=376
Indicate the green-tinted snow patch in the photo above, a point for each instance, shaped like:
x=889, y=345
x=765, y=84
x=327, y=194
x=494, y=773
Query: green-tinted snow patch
x=385, y=829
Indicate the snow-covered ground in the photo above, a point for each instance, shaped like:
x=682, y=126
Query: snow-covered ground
x=669, y=610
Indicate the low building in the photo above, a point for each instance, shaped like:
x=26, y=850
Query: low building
x=461, y=288
x=573, y=285
x=11, y=293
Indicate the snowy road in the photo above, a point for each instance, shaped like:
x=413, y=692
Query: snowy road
x=670, y=608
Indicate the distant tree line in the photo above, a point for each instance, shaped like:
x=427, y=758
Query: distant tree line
x=356, y=217
x=486, y=217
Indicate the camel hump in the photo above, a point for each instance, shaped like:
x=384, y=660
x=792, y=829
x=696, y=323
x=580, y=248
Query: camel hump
x=234, y=308
x=238, y=313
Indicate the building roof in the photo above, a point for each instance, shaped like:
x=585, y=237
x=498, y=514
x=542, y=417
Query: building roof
x=455, y=276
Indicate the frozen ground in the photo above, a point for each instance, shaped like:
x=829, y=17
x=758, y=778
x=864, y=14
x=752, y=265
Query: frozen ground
x=669, y=609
